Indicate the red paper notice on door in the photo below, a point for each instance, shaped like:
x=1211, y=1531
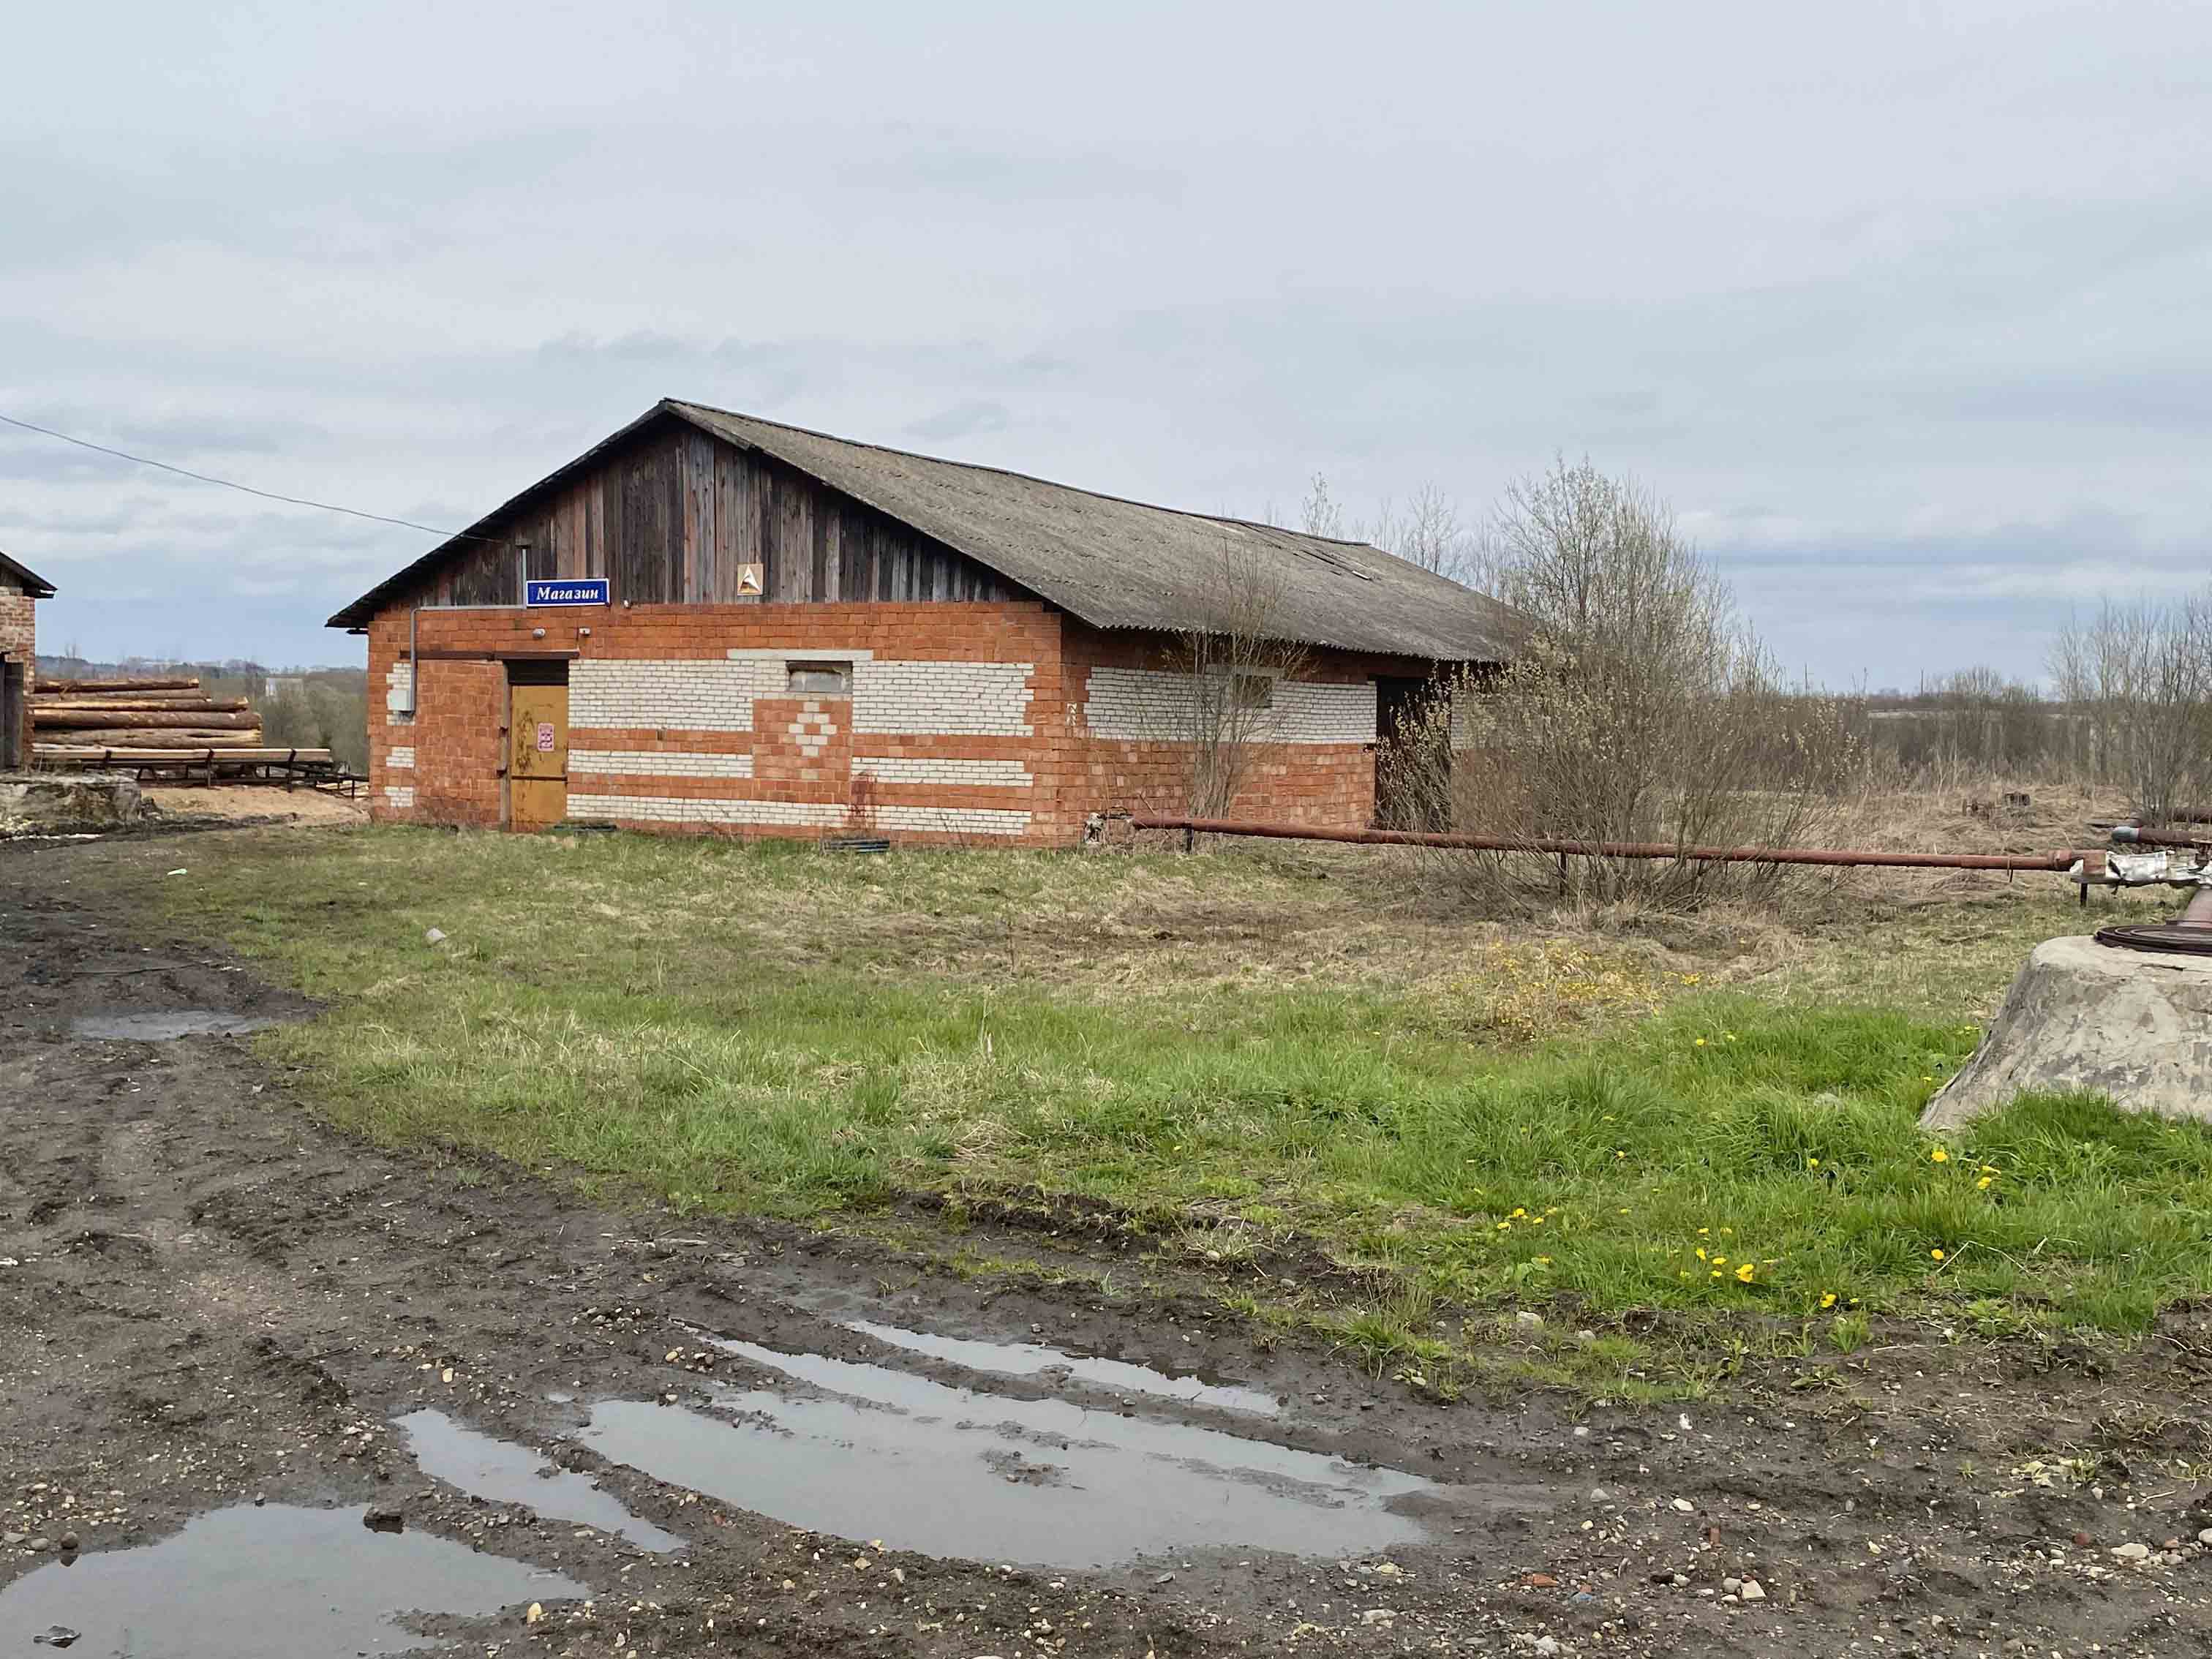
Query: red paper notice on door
x=546, y=737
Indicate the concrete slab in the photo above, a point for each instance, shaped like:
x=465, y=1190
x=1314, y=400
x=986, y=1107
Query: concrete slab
x=2134, y=1025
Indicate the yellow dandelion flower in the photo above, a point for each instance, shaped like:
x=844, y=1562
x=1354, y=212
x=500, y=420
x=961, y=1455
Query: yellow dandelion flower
x=1701, y=1043
x=1938, y=1255
x=1937, y=1155
x=1702, y=1231
x=1624, y=1209
x=1517, y=1214
x=1716, y=1272
x=1829, y=1300
x=1988, y=1169
x=1689, y=979
x=1504, y=1226
x=1727, y=1232
x=1720, y=1261
x=1546, y=1260
x=1743, y=1273
x=1620, y=1154
x=1983, y=1185
x=1701, y=1253
x=1730, y=1035
x=1812, y=1163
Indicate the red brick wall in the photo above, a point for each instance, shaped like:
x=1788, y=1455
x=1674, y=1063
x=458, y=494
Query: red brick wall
x=19, y=642
x=960, y=774
x=680, y=776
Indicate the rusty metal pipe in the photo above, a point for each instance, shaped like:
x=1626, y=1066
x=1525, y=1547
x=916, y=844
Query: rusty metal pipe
x=2060, y=861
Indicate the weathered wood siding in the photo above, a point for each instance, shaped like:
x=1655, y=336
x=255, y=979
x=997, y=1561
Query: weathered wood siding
x=676, y=516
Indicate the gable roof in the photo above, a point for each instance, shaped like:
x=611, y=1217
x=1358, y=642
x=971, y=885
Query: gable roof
x=29, y=580
x=1111, y=562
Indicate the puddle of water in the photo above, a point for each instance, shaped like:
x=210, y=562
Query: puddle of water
x=165, y=1027
x=952, y=1472
x=268, y=1583
x=504, y=1473
x=1034, y=1358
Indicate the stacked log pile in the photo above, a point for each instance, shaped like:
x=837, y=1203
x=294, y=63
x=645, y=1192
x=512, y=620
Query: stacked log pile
x=70, y=718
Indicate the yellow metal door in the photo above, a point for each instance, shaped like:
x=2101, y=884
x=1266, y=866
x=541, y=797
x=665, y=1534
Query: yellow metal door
x=538, y=762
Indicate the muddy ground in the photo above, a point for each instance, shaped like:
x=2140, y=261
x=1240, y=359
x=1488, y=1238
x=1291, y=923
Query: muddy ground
x=209, y=1302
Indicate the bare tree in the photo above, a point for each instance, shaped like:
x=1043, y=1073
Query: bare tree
x=2138, y=678
x=1433, y=537
x=1319, y=513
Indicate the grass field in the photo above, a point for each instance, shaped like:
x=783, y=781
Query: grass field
x=1272, y=1063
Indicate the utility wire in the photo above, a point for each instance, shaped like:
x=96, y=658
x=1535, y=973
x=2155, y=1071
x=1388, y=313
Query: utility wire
x=227, y=483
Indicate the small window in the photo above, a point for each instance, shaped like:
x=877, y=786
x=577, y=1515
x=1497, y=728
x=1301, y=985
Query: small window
x=1252, y=690
x=821, y=680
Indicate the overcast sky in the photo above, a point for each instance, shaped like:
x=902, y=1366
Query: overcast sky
x=1904, y=307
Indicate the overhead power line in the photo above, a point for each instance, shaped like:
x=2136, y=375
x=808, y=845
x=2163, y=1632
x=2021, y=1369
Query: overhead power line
x=232, y=483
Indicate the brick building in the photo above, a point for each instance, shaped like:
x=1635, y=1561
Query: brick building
x=798, y=633
x=21, y=590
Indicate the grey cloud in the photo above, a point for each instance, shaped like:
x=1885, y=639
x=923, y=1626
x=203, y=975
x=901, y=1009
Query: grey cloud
x=963, y=419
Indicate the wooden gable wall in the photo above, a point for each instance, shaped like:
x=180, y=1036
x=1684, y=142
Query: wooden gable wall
x=673, y=517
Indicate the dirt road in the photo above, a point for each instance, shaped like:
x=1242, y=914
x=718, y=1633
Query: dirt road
x=265, y=1390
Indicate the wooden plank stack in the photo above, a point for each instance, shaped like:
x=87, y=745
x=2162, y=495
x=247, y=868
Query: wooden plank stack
x=75, y=720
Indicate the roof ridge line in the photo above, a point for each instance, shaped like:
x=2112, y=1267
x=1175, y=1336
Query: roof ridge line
x=1026, y=477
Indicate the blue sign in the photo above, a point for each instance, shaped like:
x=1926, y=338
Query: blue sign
x=587, y=589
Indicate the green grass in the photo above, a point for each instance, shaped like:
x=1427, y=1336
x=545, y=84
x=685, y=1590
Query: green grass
x=1227, y=1048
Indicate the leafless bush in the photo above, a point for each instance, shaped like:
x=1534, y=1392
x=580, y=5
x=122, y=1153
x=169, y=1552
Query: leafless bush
x=1644, y=710
x=1223, y=712
x=2138, y=678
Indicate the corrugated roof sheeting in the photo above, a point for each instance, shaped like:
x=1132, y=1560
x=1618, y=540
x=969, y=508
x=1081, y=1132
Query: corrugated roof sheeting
x=1112, y=563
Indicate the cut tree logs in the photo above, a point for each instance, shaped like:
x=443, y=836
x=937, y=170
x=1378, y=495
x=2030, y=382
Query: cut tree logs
x=206, y=719
x=146, y=714
x=48, y=754
x=140, y=737
x=2085, y=1017
x=174, y=702
x=118, y=685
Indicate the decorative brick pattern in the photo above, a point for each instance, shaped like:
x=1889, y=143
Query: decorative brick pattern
x=805, y=743
x=401, y=756
x=981, y=699
x=659, y=763
x=929, y=768
x=1143, y=705
x=399, y=796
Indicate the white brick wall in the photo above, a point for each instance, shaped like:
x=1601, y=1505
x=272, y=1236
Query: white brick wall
x=953, y=820
x=787, y=814
x=923, y=769
x=687, y=694
x=647, y=762
x=971, y=698
x=1146, y=705
x=402, y=757
x=400, y=796
x=399, y=694
x=674, y=808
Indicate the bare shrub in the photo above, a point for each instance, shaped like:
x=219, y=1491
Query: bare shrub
x=1225, y=714
x=2138, y=678
x=1644, y=710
